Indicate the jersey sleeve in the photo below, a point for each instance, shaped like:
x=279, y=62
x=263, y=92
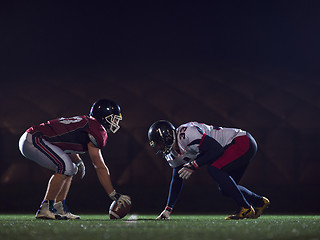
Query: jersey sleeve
x=210, y=150
x=196, y=146
x=189, y=138
x=97, y=134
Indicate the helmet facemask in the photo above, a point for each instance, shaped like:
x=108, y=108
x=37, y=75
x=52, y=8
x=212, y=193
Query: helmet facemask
x=113, y=122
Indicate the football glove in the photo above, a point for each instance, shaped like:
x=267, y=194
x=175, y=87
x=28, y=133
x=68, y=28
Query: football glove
x=165, y=214
x=187, y=169
x=121, y=199
x=81, y=169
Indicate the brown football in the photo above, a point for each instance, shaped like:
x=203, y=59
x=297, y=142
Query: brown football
x=118, y=211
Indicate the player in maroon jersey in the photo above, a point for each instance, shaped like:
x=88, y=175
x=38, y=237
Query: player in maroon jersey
x=56, y=145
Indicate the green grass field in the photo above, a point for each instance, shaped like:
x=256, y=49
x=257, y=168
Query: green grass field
x=142, y=227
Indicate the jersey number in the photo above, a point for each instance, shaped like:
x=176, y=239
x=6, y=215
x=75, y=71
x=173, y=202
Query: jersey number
x=182, y=132
x=70, y=120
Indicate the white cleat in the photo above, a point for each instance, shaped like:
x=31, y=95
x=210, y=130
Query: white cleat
x=45, y=212
x=62, y=210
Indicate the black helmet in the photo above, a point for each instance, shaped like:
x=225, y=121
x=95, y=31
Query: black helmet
x=108, y=113
x=162, y=136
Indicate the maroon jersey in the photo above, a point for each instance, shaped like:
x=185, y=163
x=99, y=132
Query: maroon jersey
x=73, y=134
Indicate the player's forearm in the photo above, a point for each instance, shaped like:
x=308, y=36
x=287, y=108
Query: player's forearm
x=175, y=188
x=105, y=180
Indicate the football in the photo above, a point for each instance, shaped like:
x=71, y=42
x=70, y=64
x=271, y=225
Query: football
x=118, y=211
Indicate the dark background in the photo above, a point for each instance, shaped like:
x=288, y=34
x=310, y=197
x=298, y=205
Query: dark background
x=247, y=64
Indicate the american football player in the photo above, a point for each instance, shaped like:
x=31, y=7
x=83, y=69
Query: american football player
x=226, y=152
x=57, y=145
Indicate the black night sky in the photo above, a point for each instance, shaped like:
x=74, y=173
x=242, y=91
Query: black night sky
x=82, y=34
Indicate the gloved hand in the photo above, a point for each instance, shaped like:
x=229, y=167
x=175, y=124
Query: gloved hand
x=81, y=169
x=121, y=199
x=187, y=169
x=165, y=214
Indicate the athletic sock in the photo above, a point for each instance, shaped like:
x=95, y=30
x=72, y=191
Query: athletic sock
x=253, y=198
x=228, y=186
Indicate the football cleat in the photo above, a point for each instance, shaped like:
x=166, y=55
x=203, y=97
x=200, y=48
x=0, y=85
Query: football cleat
x=63, y=210
x=260, y=209
x=47, y=211
x=242, y=213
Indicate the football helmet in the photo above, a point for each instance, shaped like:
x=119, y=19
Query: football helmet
x=108, y=113
x=162, y=135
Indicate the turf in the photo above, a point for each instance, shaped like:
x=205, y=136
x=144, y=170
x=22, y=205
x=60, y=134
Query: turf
x=142, y=227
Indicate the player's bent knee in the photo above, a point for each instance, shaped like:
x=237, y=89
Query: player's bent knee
x=71, y=171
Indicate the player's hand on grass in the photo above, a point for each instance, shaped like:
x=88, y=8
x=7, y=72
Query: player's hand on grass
x=165, y=214
x=187, y=169
x=120, y=198
x=81, y=169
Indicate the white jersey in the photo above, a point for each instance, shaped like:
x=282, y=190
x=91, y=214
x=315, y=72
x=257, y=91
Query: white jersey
x=193, y=132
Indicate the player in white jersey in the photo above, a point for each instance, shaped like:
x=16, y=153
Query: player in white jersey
x=226, y=152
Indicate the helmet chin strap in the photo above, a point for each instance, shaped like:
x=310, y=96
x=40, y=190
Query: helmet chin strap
x=167, y=149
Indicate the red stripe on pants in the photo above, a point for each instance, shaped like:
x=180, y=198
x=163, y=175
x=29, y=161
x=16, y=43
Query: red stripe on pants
x=56, y=160
x=239, y=147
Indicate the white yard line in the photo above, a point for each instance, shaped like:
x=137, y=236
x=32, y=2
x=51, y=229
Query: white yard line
x=132, y=219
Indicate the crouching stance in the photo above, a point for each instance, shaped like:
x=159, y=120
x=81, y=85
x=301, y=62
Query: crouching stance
x=226, y=152
x=56, y=145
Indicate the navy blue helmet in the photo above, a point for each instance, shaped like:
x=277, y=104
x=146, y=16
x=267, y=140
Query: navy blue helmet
x=108, y=113
x=162, y=135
